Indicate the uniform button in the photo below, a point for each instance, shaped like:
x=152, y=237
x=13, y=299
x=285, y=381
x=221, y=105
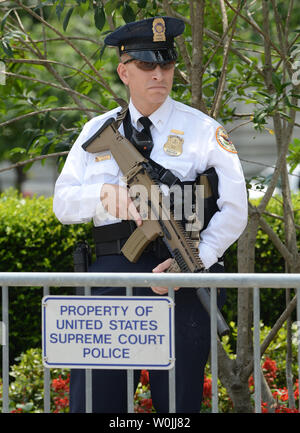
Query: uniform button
x=194, y=324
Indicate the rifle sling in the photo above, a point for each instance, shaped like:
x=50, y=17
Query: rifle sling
x=159, y=173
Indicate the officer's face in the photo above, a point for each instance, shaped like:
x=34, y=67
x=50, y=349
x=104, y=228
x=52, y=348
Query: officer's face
x=148, y=89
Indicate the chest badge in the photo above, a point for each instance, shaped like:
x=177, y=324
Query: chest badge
x=173, y=146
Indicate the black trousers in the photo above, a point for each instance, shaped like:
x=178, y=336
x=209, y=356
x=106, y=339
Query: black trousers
x=192, y=346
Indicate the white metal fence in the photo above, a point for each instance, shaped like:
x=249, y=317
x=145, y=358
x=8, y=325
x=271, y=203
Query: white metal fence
x=88, y=280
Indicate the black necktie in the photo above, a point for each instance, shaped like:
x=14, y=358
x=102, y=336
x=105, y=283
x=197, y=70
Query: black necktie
x=143, y=139
x=146, y=122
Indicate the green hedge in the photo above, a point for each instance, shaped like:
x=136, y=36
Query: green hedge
x=31, y=237
x=33, y=240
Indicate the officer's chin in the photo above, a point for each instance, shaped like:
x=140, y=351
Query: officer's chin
x=157, y=96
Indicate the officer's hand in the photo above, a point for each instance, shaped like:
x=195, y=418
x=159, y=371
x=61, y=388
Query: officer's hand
x=116, y=201
x=162, y=267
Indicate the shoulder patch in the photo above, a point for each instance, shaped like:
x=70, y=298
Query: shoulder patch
x=224, y=141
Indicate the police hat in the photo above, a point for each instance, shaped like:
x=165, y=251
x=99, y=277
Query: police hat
x=149, y=40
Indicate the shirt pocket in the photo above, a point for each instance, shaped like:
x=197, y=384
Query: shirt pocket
x=102, y=165
x=181, y=168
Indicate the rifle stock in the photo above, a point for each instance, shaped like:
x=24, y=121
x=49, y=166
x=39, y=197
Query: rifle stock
x=162, y=222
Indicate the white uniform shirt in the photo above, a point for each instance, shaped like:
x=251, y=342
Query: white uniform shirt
x=77, y=190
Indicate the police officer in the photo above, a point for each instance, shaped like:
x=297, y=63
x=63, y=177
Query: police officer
x=185, y=141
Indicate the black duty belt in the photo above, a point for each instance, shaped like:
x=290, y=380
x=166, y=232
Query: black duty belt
x=109, y=239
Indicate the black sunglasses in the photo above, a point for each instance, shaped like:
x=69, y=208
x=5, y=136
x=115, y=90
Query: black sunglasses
x=150, y=66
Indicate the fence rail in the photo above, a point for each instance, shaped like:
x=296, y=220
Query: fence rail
x=88, y=280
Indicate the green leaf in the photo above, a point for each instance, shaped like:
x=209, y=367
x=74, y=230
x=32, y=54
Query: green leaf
x=277, y=82
x=99, y=17
x=60, y=7
x=32, y=140
x=83, y=8
x=267, y=95
x=142, y=4
x=17, y=150
x=128, y=14
x=50, y=99
x=102, y=51
x=6, y=48
x=67, y=18
x=284, y=115
x=290, y=105
x=3, y=21
x=25, y=407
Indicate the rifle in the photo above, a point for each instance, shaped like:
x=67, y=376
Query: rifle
x=136, y=169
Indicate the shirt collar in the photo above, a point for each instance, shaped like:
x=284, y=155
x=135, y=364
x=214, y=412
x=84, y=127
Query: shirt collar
x=159, y=118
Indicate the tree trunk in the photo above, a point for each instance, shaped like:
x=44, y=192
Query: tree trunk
x=233, y=377
x=20, y=178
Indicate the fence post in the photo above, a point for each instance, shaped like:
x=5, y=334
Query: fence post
x=130, y=374
x=214, y=348
x=88, y=375
x=172, y=371
x=256, y=351
x=5, y=351
x=298, y=339
x=46, y=292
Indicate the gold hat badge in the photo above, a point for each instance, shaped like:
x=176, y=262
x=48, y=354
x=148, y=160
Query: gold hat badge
x=159, y=30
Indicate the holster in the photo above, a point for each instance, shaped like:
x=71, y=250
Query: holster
x=82, y=259
x=209, y=181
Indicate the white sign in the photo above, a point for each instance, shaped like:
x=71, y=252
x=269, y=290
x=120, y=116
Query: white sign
x=119, y=332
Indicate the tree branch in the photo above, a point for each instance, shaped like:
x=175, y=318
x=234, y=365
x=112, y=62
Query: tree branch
x=197, y=24
x=47, y=110
x=280, y=321
x=44, y=62
x=67, y=41
x=218, y=45
x=267, y=47
x=288, y=257
x=215, y=37
x=240, y=125
x=280, y=161
x=66, y=89
x=273, y=215
x=245, y=59
x=272, y=334
x=51, y=70
x=227, y=42
x=180, y=40
x=36, y=158
x=256, y=27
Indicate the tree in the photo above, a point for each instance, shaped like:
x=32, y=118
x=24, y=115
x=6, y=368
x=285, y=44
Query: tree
x=237, y=51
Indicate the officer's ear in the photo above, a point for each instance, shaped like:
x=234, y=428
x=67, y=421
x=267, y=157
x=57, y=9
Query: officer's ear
x=123, y=73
